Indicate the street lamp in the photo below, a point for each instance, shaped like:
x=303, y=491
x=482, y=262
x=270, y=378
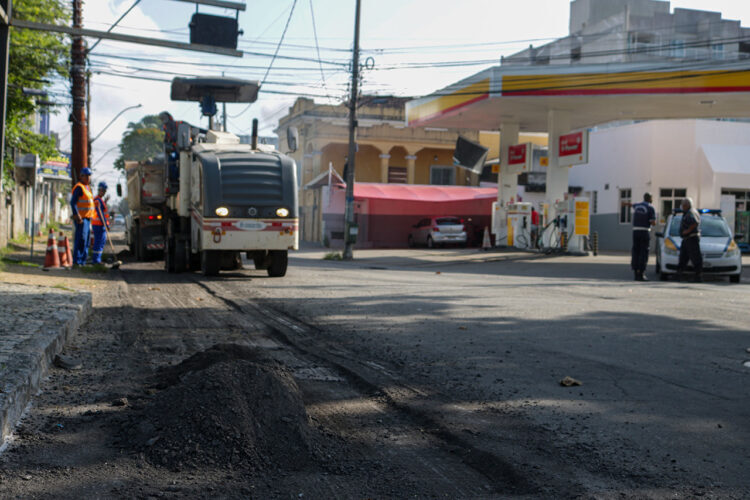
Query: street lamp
x=112, y=121
x=103, y=155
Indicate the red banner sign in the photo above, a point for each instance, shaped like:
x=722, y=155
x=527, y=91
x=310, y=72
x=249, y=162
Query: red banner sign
x=574, y=148
x=517, y=154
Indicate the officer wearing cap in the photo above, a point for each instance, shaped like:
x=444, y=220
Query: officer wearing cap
x=644, y=216
x=82, y=205
x=99, y=224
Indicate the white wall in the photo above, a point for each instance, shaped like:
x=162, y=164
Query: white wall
x=658, y=154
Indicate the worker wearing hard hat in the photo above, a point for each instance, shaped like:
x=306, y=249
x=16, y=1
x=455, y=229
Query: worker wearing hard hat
x=99, y=224
x=82, y=205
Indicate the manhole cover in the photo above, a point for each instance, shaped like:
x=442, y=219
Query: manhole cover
x=746, y=364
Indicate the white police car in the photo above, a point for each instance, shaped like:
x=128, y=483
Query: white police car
x=721, y=255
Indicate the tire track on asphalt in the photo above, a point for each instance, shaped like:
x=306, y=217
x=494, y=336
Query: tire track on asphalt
x=504, y=476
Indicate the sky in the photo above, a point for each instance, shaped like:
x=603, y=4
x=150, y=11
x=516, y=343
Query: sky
x=396, y=36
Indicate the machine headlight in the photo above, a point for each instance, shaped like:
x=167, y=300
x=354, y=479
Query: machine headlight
x=282, y=212
x=222, y=211
x=733, y=249
x=670, y=247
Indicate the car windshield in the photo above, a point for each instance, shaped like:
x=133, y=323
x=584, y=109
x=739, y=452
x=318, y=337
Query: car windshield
x=448, y=221
x=712, y=226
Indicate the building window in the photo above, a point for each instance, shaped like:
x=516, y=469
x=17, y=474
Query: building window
x=575, y=54
x=670, y=199
x=442, y=176
x=743, y=50
x=678, y=48
x=717, y=51
x=397, y=175
x=625, y=200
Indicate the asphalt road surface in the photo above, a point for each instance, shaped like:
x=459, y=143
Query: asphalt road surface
x=426, y=374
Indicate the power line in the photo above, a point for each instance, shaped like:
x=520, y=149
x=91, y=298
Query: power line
x=276, y=53
x=317, y=47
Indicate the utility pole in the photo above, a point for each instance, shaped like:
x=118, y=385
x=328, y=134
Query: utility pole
x=79, y=153
x=350, y=230
x=6, y=11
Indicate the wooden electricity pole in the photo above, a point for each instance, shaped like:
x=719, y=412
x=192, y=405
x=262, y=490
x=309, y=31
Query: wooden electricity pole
x=79, y=150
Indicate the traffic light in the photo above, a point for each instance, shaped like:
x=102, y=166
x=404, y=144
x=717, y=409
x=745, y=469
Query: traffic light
x=218, y=31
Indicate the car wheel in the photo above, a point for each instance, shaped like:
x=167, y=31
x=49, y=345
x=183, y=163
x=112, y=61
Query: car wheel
x=411, y=242
x=735, y=278
x=430, y=243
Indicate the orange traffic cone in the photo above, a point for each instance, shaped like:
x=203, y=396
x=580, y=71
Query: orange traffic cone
x=51, y=258
x=64, y=262
x=486, y=245
x=68, y=252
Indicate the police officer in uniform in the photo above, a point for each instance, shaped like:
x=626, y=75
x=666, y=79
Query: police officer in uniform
x=82, y=205
x=644, y=216
x=690, y=249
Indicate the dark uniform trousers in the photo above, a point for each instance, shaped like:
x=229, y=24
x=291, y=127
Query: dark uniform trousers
x=691, y=250
x=639, y=257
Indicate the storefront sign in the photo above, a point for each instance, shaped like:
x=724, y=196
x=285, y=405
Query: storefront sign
x=55, y=168
x=574, y=148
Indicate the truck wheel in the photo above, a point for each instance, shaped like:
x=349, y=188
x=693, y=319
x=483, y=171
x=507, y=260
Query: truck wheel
x=260, y=259
x=210, y=262
x=195, y=261
x=279, y=260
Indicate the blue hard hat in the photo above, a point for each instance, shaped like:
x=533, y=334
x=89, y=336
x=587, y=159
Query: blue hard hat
x=85, y=171
x=103, y=185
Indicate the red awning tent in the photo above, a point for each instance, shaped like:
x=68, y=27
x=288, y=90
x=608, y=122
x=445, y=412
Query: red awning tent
x=386, y=212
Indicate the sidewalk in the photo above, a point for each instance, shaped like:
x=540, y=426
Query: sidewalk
x=39, y=311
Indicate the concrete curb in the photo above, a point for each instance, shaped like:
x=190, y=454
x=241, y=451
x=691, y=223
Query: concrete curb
x=32, y=355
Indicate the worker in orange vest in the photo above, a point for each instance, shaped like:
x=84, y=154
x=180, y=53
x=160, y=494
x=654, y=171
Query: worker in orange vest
x=82, y=205
x=99, y=224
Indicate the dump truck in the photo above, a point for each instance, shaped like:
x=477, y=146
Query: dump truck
x=144, y=219
x=223, y=198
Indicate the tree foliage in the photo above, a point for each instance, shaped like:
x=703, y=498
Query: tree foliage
x=142, y=140
x=35, y=57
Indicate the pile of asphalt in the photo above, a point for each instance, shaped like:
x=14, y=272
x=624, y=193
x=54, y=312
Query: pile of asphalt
x=228, y=407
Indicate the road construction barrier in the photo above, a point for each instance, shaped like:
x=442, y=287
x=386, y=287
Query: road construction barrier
x=51, y=258
x=64, y=262
x=486, y=244
x=68, y=251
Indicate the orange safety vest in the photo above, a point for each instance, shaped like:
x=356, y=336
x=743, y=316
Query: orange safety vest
x=85, y=203
x=95, y=220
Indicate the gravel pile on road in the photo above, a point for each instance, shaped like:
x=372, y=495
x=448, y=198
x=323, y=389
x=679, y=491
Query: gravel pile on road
x=228, y=408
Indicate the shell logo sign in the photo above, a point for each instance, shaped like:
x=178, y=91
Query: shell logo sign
x=519, y=156
x=574, y=148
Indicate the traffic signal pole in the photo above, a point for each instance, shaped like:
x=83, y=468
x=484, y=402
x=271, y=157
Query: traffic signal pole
x=349, y=207
x=79, y=150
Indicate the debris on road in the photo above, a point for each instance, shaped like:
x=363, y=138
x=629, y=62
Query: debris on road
x=66, y=363
x=221, y=410
x=570, y=382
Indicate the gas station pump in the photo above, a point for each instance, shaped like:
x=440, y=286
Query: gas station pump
x=573, y=220
x=519, y=225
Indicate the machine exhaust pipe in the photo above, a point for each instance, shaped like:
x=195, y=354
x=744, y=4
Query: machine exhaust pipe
x=254, y=139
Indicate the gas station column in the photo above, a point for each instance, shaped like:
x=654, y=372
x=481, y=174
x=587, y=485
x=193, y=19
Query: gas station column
x=507, y=180
x=384, y=158
x=558, y=123
x=411, y=166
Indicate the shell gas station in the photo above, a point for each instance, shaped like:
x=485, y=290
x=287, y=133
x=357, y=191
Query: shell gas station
x=565, y=101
